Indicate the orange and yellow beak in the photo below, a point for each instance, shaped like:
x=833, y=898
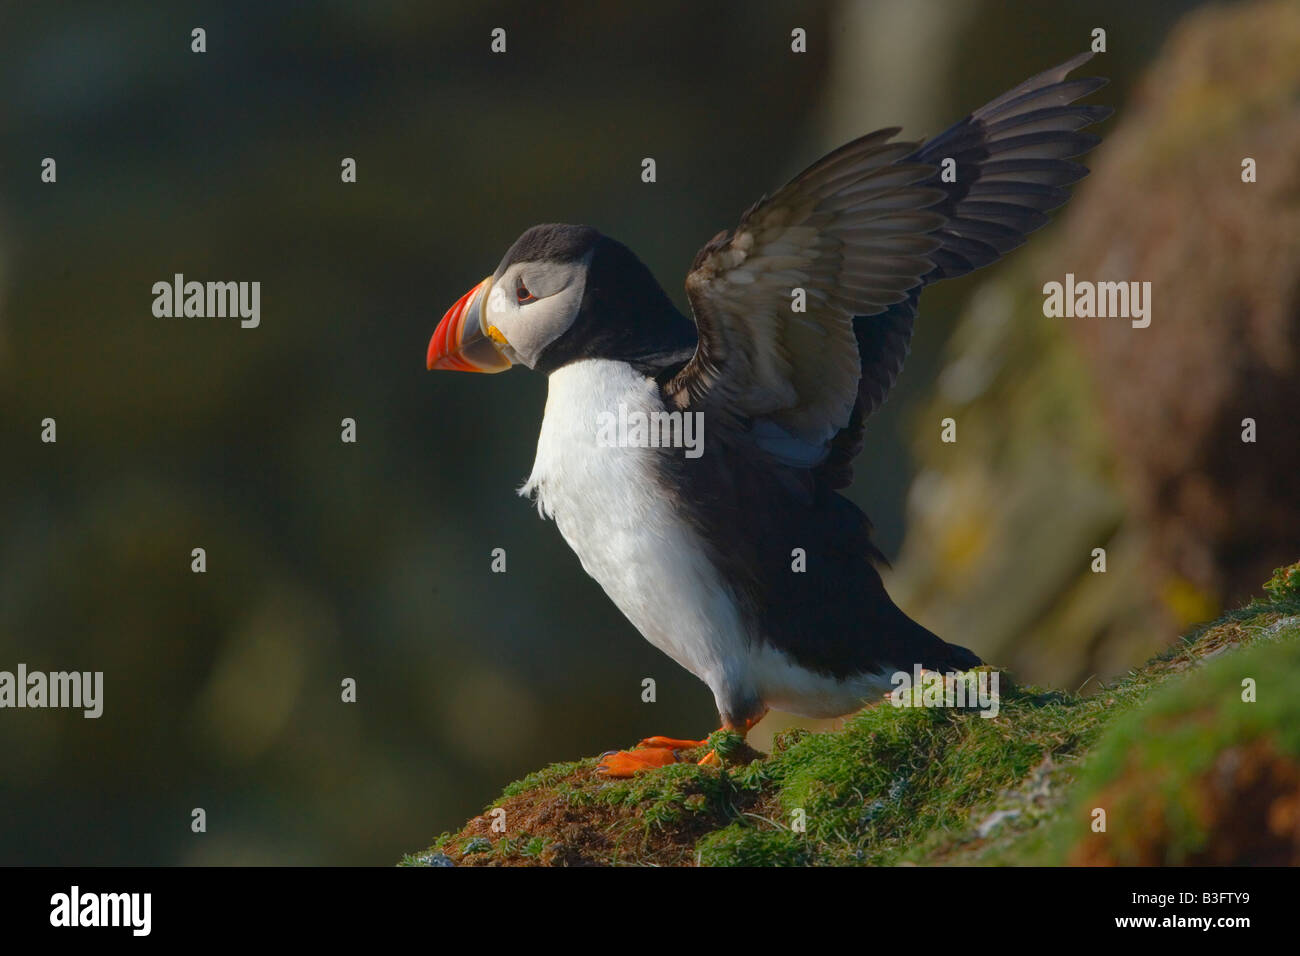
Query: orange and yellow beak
x=461, y=342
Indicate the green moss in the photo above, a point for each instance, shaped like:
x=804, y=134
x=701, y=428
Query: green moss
x=546, y=777
x=535, y=846
x=739, y=845
x=477, y=845
x=1285, y=583
x=1149, y=771
x=895, y=776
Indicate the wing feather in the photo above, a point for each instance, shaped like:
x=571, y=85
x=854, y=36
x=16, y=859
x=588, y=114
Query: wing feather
x=861, y=232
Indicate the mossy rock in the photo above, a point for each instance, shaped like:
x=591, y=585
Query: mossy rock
x=1207, y=772
x=1285, y=583
x=1187, y=771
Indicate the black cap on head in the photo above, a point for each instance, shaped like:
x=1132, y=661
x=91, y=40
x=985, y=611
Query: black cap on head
x=550, y=242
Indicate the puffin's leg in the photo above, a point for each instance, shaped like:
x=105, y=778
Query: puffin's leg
x=711, y=759
x=661, y=751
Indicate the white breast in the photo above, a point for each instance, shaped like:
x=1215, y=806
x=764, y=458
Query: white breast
x=611, y=510
x=616, y=516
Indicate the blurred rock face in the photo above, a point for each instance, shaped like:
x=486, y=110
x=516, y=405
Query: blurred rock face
x=1226, y=273
x=1075, y=433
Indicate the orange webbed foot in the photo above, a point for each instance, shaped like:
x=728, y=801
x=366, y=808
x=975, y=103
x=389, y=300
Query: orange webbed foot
x=625, y=763
x=656, y=751
x=650, y=753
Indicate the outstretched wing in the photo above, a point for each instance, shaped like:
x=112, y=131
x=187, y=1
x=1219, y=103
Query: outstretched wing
x=848, y=236
x=861, y=232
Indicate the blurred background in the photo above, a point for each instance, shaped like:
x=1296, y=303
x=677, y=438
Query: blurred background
x=372, y=560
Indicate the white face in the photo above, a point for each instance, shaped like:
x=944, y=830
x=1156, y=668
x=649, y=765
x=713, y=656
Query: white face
x=532, y=304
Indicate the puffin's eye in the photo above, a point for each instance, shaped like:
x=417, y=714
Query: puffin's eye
x=522, y=293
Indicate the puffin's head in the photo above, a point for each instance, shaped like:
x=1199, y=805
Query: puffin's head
x=561, y=293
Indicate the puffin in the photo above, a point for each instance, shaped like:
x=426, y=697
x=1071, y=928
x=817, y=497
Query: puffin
x=737, y=555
